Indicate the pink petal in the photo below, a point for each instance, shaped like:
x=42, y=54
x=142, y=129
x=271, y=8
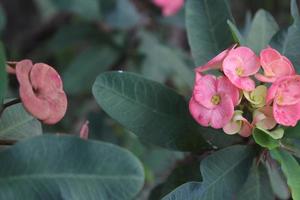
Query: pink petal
x=246, y=129
x=225, y=86
x=268, y=55
x=265, y=79
x=288, y=91
x=244, y=83
x=37, y=107
x=287, y=115
x=248, y=60
x=223, y=112
x=272, y=92
x=232, y=127
x=201, y=114
x=205, y=88
x=216, y=62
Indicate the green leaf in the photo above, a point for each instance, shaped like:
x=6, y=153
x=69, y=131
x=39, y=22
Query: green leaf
x=238, y=38
x=65, y=167
x=124, y=16
x=223, y=172
x=187, y=191
x=2, y=19
x=16, y=123
x=3, y=74
x=81, y=73
x=89, y=10
x=277, y=179
x=208, y=32
x=263, y=28
x=152, y=111
x=291, y=170
x=288, y=42
x=257, y=185
x=264, y=139
x=162, y=62
x=293, y=132
x=186, y=170
x=294, y=10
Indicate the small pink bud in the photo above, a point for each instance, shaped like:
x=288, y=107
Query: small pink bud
x=84, y=130
x=169, y=7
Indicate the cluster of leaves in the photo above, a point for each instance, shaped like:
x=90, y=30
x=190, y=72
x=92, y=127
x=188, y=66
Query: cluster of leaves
x=102, y=35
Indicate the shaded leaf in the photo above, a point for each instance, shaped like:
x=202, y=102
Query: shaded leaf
x=277, y=179
x=257, y=185
x=291, y=170
x=124, y=16
x=152, y=111
x=16, y=123
x=223, y=172
x=263, y=28
x=3, y=74
x=82, y=72
x=208, y=32
x=238, y=37
x=187, y=191
x=64, y=167
x=290, y=40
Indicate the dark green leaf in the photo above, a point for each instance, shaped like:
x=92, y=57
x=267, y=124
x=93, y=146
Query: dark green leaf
x=294, y=10
x=292, y=132
x=124, y=16
x=64, y=167
x=262, y=30
x=223, y=172
x=87, y=9
x=16, y=123
x=277, y=179
x=186, y=170
x=207, y=28
x=264, y=140
x=3, y=74
x=290, y=41
x=161, y=62
x=291, y=170
x=238, y=38
x=257, y=186
x=82, y=72
x=2, y=19
x=154, y=112
x=187, y=191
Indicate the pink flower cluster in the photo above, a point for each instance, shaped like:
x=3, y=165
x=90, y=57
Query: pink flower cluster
x=220, y=102
x=169, y=7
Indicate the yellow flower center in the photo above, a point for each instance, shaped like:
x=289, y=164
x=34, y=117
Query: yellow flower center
x=280, y=99
x=239, y=71
x=215, y=99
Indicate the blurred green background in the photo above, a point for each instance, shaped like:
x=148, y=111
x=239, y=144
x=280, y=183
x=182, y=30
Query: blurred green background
x=82, y=38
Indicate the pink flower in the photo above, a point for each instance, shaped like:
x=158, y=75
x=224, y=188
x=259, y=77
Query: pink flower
x=41, y=91
x=169, y=7
x=239, y=64
x=216, y=62
x=275, y=65
x=213, y=100
x=285, y=94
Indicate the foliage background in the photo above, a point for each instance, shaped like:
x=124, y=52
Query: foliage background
x=82, y=38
